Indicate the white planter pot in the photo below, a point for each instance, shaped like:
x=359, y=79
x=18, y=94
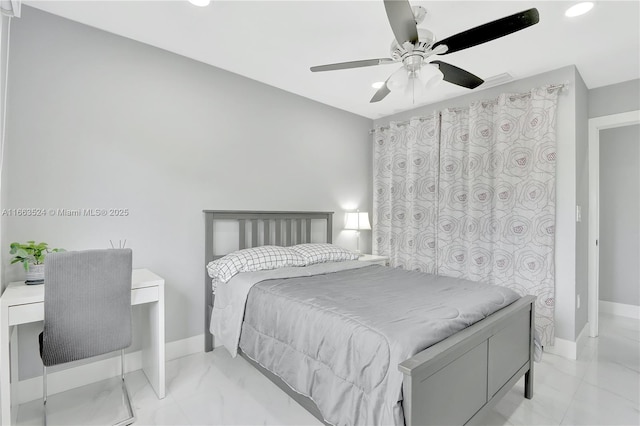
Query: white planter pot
x=35, y=274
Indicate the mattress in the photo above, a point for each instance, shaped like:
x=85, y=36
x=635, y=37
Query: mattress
x=338, y=337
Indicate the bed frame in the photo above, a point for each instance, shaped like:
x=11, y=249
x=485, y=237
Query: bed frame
x=453, y=382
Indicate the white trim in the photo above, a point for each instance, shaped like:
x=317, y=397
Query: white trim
x=562, y=347
x=595, y=125
x=620, y=309
x=568, y=348
x=63, y=380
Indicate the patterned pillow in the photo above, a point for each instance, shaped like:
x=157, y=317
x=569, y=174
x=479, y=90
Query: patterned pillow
x=320, y=253
x=252, y=259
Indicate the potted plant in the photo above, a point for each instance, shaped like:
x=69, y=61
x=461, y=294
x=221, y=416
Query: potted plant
x=32, y=257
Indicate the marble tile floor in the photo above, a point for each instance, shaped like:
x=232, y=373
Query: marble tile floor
x=600, y=388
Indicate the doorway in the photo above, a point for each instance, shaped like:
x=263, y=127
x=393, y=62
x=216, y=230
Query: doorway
x=595, y=126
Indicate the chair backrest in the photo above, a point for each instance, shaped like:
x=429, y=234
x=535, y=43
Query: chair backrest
x=87, y=304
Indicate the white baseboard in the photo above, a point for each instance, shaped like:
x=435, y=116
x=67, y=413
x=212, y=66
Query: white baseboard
x=567, y=348
x=620, y=309
x=582, y=340
x=564, y=348
x=63, y=380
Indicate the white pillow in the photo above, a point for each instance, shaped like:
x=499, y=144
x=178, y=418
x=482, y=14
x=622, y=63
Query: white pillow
x=252, y=259
x=320, y=253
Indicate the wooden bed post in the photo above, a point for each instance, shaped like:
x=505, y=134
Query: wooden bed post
x=528, y=376
x=208, y=291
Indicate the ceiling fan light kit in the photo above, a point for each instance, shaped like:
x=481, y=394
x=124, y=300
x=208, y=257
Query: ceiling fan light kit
x=431, y=76
x=415, y=80
x=415, y=48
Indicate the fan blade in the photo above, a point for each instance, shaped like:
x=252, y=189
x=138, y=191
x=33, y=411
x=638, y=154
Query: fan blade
x=458, y=76
x=403, y=23
x=490, y=31
x=353, y=64
x=381, y=93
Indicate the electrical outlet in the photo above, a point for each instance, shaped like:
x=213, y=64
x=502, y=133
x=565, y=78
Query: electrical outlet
x=578, y=301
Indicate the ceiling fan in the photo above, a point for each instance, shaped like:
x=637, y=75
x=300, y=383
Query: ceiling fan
x=415, y=47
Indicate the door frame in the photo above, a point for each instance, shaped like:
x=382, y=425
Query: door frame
x=595, y=125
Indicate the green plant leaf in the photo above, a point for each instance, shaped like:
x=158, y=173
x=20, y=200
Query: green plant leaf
x=30, y=253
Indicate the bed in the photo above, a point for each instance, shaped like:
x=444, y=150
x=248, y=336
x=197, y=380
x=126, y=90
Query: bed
x=454, y=381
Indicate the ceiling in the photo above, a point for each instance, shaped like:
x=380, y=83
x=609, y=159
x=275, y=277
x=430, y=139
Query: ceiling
x=275, y=42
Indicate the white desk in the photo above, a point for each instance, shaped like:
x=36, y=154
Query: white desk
x=21, y=304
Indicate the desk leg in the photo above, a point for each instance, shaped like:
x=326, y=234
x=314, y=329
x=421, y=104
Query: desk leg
x=153, y=360
x=15, y=371
x=5, y=366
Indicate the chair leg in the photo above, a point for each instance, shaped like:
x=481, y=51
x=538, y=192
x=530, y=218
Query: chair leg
x=125, y=394
x=44, y=392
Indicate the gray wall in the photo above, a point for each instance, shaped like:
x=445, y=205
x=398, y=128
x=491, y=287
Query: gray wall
x=101, y=121
x=565, y=183
x=620, y=215
x=4, y=27
x=582, y=200
x=613, y=99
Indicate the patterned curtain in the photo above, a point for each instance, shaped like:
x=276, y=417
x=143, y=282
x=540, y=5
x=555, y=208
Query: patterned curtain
x=496, y=210
x=487, y=182
x=404, y=193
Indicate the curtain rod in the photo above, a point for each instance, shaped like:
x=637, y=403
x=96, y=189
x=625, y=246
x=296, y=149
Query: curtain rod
x=519, y=95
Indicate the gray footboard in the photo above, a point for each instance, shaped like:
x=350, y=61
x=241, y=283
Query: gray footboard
x=457, y=380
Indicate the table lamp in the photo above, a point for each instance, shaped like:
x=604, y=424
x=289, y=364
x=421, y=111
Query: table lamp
x=357, y=221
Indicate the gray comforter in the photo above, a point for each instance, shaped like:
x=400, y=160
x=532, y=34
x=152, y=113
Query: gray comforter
x=339, y=337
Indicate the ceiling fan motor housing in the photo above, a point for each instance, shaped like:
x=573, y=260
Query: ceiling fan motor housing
x=425, y=41
x=421, y=49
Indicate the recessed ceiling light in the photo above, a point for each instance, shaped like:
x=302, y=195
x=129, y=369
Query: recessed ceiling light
x=201, y=3
x=377, y=84
x=579, y=9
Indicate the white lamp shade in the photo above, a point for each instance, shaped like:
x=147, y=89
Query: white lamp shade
x=358, y=221
x=431, y=76
x=398, y=80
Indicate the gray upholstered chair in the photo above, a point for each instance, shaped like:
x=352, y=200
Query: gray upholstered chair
x=87, y=309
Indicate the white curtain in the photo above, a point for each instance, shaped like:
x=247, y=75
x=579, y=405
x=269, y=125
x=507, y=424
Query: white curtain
x=491, y=177
x=404, y=193
x=496, y=215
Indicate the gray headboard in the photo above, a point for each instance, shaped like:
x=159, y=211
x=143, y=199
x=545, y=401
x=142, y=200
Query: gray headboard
x=257, y=228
